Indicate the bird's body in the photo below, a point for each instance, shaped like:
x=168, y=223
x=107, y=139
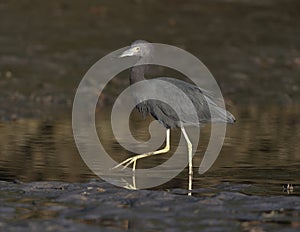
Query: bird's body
x=202, y=104
x=202, y=100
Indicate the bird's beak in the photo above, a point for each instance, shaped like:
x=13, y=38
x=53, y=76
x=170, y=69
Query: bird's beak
x=129, y=52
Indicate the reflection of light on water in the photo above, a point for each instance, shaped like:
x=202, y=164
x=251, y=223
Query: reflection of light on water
x=289, y=188
x=262, y=148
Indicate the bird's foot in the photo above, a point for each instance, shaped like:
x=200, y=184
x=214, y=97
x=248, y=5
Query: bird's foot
x=129, y=161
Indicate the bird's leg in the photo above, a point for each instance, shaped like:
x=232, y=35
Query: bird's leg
x=133, y=159
x=190, y=158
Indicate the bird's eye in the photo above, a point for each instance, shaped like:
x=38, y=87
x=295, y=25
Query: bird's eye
x=137, y=48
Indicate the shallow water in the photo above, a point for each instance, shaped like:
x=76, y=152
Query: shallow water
x=261, y=149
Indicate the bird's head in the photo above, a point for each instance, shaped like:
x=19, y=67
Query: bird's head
x=139, y=48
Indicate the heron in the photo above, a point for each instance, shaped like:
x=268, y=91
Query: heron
x=202, y=101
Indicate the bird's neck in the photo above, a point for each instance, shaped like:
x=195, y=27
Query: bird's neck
x=137, y=74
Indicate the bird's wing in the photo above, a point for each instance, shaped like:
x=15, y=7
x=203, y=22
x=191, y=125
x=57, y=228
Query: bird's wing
x=205, y=103
x=181, y=102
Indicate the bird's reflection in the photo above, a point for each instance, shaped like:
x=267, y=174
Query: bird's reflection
x=289, y=188
x=131, y=183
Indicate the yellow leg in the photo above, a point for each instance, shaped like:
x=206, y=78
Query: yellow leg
x=133, y=159
x=190, y=157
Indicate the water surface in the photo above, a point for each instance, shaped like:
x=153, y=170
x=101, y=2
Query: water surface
x=261, y=149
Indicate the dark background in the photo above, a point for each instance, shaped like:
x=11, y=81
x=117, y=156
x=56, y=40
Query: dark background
x=251, y=47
